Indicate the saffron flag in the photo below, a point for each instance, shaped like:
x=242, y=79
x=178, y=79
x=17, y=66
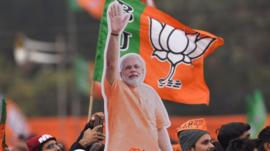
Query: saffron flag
x=16, y=121
x=2, y=123
x=256, y=113
x=173, y=52
x=95, y=7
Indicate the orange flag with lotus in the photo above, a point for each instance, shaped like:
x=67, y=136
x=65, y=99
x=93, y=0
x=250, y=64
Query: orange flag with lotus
x=173, y=52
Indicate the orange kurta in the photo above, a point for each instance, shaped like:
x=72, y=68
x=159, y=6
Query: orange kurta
x=134, y=117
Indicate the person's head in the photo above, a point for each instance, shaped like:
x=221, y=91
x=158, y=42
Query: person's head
x=43, y=142
x=264, y=137
x=195, y=140
x=217, y=147
x=233, y=130
x=132, y=69
x=239, y=144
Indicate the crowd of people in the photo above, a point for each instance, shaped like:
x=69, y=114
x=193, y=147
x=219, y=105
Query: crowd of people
x=234, y=136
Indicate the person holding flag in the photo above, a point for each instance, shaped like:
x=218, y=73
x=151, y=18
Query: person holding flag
x=135, y=114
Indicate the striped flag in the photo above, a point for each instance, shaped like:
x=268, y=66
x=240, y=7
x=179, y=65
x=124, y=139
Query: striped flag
x=173, y=52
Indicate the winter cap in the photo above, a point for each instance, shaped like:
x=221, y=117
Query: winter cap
x=190, y=131
x=35, y=143
x=188, y=138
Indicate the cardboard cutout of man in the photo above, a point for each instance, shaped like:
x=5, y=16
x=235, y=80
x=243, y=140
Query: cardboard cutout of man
x=135, y=114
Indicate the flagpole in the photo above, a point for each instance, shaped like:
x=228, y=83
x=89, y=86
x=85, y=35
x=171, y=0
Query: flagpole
x=91, y=98
x=90, y=107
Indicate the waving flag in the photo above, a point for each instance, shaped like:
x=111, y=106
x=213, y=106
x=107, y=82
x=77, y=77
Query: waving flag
x=16, y=121
x=174, y=53
x=95, y=7
x=256, y=112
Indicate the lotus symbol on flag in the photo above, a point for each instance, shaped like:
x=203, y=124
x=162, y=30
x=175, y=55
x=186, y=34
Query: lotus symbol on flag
x=177, y=47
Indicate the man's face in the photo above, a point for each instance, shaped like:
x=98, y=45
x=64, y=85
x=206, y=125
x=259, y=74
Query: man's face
x=51, y=145
x=203, y=144
x=132, y=72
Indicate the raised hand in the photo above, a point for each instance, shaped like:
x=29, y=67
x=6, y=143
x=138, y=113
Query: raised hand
x=91, y=136
x=118, y=19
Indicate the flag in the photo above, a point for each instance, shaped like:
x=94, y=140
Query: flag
x=95, y=7
x=82, y=75
x=16, y=120
x=2, y=123
x=173, y=52
x=149, y=2
x=256, y=112
x=74, y=6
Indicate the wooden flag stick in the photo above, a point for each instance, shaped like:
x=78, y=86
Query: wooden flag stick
x=91, y=98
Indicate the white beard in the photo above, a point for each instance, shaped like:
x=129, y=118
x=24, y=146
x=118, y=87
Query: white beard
x=133, y=82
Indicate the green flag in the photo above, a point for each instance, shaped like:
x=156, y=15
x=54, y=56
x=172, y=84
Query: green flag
x=131, y=32
x=82, y=75
x=256, y=112
x=2, y=122
x=74, y=6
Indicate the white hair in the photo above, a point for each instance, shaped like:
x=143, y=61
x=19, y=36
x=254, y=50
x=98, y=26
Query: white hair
x=132, y=55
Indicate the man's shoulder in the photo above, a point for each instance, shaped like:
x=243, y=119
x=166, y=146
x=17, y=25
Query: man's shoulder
x=148, y=88
x=115, y=82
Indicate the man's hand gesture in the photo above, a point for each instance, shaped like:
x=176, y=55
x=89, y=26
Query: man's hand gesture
x=118, y=19
x=91, y=136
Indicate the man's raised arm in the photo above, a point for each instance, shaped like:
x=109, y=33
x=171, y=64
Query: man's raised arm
x=117, y=21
